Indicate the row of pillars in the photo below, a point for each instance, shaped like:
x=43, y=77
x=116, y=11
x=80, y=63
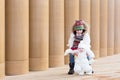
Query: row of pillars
x=34, y=33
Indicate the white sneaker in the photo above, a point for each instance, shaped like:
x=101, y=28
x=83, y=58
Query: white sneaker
x=88, y=73
x=81, y=73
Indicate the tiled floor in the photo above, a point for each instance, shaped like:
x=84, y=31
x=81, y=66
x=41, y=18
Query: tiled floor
x=107, y=68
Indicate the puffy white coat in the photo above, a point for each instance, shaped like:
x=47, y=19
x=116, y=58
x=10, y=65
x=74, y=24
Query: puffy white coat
x=82, y=64
x=86, y=41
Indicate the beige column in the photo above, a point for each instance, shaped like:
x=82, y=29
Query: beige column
x=103, y=27
x=117, y=27
x=39, y=34
x=110, y=41
x=17, y=36
x=71, y=14
x=2, y=38
x=56, y=56
x=85, y=11
x=95, y=27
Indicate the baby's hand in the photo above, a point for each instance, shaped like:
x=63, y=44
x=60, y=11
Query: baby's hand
x=75, y=51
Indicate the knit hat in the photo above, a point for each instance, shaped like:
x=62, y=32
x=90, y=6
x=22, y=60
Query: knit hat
x=78, y=28
x=78, y=25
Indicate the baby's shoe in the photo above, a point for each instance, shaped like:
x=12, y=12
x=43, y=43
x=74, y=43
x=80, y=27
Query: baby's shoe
x=88, y=73
x=81, y=73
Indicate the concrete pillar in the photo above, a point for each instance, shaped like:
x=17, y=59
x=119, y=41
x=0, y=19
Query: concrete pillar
x=117, y=27
x=110, y=41
x=71, y=14
x=56, y=56
x=95, y=27
x=39, y=34
x=103, y=27
x=85, y=11
x=2, y=38
x=17, y=36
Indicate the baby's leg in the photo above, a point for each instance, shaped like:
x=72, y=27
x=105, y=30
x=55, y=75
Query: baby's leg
x=78, y=69
x=88, y=69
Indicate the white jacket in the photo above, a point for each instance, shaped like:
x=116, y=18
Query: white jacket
x=82, y=58
x=82, y=64
x=86, y=41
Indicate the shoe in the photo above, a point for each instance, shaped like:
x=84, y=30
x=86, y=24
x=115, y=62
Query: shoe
x=89, y=73
x=92, y=72
x=71, y=70
x=81, y=73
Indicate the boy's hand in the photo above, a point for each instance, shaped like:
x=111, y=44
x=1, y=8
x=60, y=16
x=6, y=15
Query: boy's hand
x=75, y=51
x=68, y=51
x=75, y=54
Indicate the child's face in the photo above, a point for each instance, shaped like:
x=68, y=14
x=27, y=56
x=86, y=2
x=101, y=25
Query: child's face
x=81, y=49
x=79, y=31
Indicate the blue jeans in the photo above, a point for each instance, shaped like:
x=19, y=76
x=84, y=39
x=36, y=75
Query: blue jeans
x=71, y=58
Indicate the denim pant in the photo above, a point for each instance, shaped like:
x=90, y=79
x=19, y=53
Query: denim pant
x=71, y=58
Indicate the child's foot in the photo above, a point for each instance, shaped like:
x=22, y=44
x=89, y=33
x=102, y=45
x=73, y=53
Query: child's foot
x=71, y=72
x=92, y=71
x=88, y=73
x=81, y=73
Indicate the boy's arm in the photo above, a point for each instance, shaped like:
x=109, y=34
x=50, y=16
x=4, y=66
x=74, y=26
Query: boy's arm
x=76, y=52
x=68, y=51
x=70, y=41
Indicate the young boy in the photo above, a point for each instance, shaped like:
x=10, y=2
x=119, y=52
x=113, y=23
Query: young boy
x=79, y=34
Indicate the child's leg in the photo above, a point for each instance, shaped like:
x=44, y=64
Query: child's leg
x=87, y=69
x=71, y=58
x=88, y=57
x=71, y=64
x=78, y=69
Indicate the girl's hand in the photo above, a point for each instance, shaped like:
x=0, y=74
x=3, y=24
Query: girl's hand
x=75, y=54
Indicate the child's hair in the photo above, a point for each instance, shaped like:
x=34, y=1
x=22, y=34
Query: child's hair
x=82, y=32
